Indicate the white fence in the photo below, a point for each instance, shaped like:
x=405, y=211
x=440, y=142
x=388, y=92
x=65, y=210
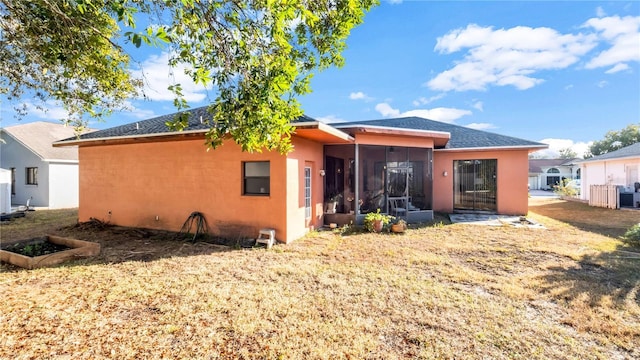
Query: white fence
x=606, y=196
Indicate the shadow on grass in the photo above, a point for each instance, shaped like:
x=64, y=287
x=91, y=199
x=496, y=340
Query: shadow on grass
x=607, y=222
x=609, y=274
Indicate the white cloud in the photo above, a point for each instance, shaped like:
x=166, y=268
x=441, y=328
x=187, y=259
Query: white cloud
x=424, y=101
x=480, y=126
x=602, y=84
x=158, y=75
x=330, y=119
x=394, y=2
x=386, y=110
x=506, y=56
x=448, y=115
x=360, y=96
x=138, y=113
x=623, y=36
x=600, y=12
x=617, y=68
x=478, y=105
x=568, y=87
x=49, y=110
x=555, y=145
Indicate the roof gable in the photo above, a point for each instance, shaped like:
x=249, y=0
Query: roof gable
x=38, y=138
x=461, y=137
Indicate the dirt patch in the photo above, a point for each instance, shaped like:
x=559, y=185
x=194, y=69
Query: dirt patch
x=34, y=247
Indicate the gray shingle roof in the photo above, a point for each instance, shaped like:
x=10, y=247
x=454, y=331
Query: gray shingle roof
x=632, y=150
x=157, y=126
x=461, y=137
x=38, y=137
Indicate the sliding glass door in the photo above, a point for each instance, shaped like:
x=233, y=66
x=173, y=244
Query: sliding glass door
x=475, y=185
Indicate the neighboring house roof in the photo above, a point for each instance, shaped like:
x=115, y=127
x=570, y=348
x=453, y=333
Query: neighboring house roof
x=626, y=152
x=38, y=137
x=536, y=165
x=461, y=137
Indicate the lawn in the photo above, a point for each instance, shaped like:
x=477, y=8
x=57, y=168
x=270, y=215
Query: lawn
x=444, y=290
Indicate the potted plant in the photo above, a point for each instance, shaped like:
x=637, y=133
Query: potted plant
x=332, y=202
x=375, y=221
x=399, y=226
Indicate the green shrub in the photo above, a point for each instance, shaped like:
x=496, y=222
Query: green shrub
x=372, y=217
x=633, y=234
x=566, y=189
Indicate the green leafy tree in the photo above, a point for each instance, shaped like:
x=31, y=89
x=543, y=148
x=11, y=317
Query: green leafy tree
x=257, y=55
x=568, y=153
x=614, y=140
x=60, y=50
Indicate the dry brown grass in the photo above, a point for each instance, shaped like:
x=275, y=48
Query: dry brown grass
x=440, y=291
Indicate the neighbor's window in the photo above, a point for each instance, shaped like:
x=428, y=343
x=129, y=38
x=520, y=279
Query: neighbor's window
x=32, y=176
x=256, y=178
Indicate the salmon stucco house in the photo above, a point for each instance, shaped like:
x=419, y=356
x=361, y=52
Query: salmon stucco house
x=143, y=175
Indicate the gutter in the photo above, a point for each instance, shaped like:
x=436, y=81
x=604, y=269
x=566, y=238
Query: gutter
x=60, y=161
x=319, y=125
x=363, y=128
x=325, y=128
x=608, y=159
x=518, y=147
x=84, y=141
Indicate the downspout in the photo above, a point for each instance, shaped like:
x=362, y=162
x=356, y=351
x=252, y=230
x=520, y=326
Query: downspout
x=356, y=179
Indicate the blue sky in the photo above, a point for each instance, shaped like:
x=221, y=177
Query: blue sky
x=563, y=73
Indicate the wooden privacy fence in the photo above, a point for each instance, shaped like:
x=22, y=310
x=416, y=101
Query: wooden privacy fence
x=606, y=196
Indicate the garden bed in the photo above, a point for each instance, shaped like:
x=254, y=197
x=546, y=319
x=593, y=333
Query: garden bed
x=46, y=251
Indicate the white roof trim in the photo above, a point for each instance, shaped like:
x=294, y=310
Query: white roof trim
x=609, y=159
x=60, y=161
x=321, y=126
x=81, y=141
x=326, y=128
x=391, y=128
x=489, y=148
x=335, y=131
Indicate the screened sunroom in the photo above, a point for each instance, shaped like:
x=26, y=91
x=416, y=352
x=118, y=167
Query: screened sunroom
x=359, y=179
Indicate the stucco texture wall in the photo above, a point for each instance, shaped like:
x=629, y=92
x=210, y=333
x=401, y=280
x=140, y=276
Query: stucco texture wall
x=394, y=140
x=512, y=179
x=135, y=184
x=306, y=154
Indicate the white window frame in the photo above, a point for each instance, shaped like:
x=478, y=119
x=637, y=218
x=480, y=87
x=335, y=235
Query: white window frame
x=307, y=192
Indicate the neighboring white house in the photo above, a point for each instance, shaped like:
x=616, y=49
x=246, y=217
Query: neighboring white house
x=46, y=175
x=5, y=191
x=545, y=173
x=620, y=167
